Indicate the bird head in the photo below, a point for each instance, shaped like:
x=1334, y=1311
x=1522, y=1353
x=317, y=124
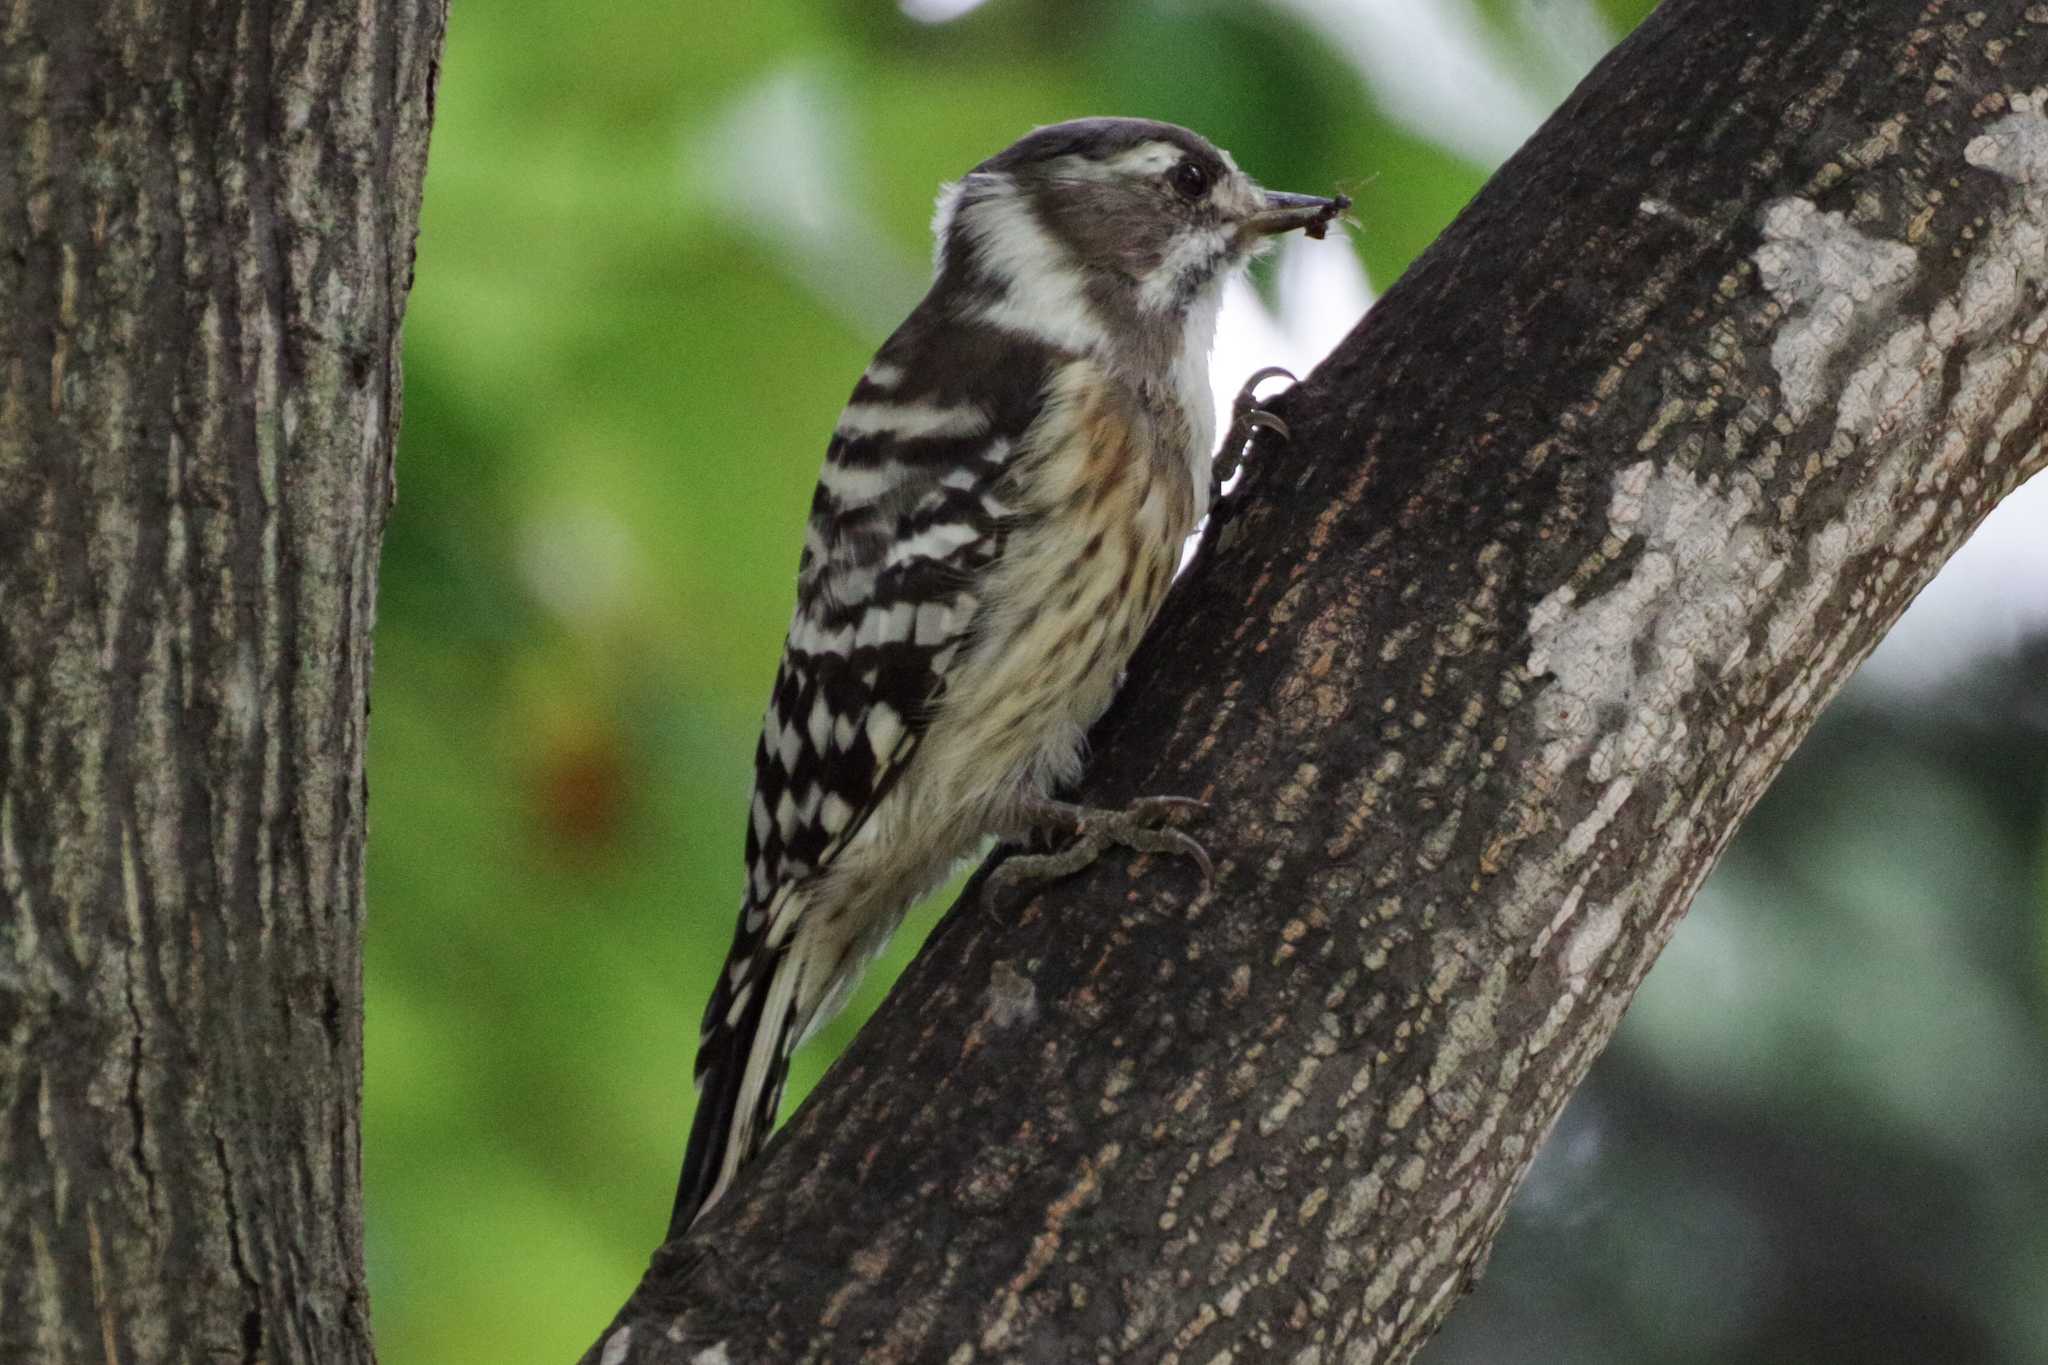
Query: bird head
x=1109, y=226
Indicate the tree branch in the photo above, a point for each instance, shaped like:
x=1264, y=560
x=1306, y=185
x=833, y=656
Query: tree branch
x=1577, y=534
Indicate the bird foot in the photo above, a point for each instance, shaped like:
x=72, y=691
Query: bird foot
x=1247, y=420
x=1093, y=832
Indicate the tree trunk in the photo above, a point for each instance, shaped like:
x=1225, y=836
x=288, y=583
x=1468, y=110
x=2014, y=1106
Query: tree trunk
x=207, y=213
x=1575, y=537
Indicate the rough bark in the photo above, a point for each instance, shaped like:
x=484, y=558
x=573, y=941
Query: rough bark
x=207, y=213
x=1577, y=534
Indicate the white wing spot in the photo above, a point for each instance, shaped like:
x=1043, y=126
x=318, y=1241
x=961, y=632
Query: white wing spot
x=934, y=623
x=886, y=625
x=911, y=420
x=857, y=486
x=834, y=814
x=807, y=635
x=885, y=727
x=934, y=542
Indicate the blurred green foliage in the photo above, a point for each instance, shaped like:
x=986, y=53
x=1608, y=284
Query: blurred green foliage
x=660, y=241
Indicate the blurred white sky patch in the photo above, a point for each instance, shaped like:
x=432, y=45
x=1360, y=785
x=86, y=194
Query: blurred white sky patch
x=1991, y=596
x=936, y=11
x=779, y=164
x=1440, y=68
x=1568, y=36
x=1319, y=294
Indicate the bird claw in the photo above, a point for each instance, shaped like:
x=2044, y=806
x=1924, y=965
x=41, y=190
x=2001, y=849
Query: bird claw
x=1247, y=393
x=1247, y=420
x=1092, y=833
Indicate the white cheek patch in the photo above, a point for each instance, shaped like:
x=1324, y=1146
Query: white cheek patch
x=942, y=222
x=1196, y=253
x=1045, y=297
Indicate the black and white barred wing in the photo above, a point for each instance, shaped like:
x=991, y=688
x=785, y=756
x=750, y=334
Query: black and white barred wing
x=907, y=515
x=905, y=518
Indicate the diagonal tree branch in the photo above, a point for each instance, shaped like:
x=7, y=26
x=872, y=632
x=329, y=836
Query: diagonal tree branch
x=1577, y=534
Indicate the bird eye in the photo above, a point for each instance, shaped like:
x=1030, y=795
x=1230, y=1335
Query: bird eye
x=1190, y=180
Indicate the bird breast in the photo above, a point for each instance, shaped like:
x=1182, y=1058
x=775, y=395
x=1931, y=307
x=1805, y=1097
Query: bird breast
x=1105, y=496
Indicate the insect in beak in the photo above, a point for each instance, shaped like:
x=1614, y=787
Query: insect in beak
x=1286, y=212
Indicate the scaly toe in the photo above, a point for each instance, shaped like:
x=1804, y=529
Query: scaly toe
x=1148, y=809
x=1179, y=845
x=1026, y=870
x=1137, y=826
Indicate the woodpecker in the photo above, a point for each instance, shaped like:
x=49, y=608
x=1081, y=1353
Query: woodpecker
x=1001, y=509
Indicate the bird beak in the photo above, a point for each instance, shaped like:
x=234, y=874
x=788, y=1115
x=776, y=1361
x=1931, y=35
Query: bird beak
x=1286, y=212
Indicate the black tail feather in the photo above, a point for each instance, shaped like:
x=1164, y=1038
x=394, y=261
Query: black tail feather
x=723, y=1107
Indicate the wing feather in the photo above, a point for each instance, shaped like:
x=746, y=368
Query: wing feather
x=909, y=513
x=906, y=518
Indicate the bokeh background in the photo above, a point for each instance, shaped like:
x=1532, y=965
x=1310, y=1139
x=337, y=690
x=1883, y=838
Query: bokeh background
x=660, y=242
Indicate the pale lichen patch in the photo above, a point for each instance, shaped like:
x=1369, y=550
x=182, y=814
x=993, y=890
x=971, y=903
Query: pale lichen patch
x=2016, y=146
x=1290, y=1098
x=1827, y=275
x=1012, y=998
x=1894, y=399
x=1404, y=1108
x=1636, y=649
x=1471, y=1031
x=1590, y=941
x=1291, y=802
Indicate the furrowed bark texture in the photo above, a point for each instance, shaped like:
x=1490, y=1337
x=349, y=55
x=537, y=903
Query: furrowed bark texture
x=1576, y=535
x=207, y=213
